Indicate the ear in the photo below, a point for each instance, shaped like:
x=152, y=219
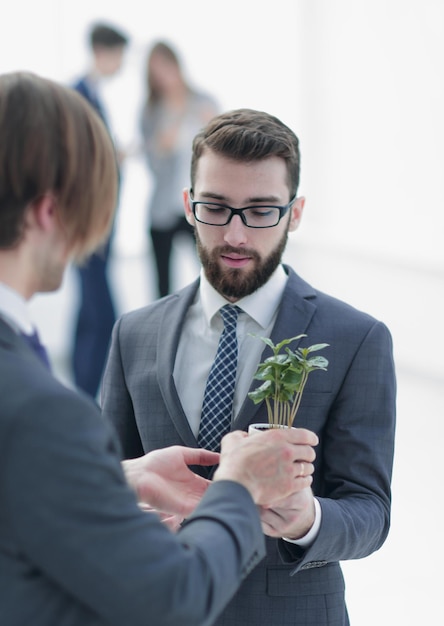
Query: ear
x=296, y=213
x=42, y=213
x=187, y=207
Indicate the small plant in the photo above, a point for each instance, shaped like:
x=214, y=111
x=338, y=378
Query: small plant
x=284, y=377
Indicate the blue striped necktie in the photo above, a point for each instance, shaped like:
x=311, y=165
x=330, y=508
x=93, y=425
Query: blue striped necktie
x=217, y=407
x=33, y=341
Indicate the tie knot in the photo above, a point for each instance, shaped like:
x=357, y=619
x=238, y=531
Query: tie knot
x=229, y=314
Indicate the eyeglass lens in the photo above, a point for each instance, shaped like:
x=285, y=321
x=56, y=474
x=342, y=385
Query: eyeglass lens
x=218, y=215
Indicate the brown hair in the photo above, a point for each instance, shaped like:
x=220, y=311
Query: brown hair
x=162, y=49
x=51, y=140
x=248, y=135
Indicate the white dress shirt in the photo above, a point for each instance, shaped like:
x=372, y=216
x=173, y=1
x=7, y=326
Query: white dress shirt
x=14, y=310
x=198, y=344
x=200, y=338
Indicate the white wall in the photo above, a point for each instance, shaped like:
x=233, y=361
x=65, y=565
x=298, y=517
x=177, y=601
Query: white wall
x=359, y=81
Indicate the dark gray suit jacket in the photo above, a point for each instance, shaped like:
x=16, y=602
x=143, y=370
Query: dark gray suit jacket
x=351, y=407
x=75, y=549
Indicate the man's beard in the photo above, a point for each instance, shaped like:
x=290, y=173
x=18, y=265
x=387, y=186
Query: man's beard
x=234, y=283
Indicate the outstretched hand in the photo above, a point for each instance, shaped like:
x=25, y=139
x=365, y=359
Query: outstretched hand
x=170, y=520
x=163, y=480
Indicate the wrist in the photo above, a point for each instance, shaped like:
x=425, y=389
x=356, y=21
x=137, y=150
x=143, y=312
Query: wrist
x=228, y=474
x=306, y=539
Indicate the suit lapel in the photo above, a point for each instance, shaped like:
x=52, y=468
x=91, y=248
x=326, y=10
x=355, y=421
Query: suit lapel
x=170, y=328
x=295, y=314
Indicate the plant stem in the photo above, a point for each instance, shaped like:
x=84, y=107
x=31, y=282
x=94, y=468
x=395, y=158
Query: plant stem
x=276, y=402
x=298, y=398
x=269, y=411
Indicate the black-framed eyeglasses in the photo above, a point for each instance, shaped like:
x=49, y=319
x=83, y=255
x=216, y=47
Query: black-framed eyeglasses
x=260, y=216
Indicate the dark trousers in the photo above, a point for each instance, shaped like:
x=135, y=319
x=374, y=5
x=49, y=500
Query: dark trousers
x=162, y=241
x=95, y=320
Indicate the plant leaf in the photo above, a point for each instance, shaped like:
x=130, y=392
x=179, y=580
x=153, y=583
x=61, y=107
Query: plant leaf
x=266, y=390
x=292, y=378
x=278, y=359
x=317, y=346
x=285, y=342
x=318, y=362
x=266, y=373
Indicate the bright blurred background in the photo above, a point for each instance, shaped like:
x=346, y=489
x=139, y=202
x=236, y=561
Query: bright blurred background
x=361, y=83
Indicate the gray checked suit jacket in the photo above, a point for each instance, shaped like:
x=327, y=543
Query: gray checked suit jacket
x=351, y=407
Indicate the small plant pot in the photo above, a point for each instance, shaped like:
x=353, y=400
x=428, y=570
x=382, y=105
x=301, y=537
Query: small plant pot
x=257, y=428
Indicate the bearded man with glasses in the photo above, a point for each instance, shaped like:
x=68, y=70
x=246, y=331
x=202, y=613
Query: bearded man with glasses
x=243, y=203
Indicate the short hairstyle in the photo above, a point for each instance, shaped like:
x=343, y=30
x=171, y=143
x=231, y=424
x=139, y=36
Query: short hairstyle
x=52, y=141
x=106, y=36
x=249, y=135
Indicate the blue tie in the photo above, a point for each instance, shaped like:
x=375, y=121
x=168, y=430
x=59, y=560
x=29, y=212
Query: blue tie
x=34, y=342
x=217, y=407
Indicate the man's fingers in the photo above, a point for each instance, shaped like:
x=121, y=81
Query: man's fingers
x=305, y=454
x=200, y=456
x=303, y=436
x=231, y=440
x=303, y=469
x=304, y=482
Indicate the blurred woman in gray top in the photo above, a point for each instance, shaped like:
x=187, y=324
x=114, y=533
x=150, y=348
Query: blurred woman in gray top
x=173, y=113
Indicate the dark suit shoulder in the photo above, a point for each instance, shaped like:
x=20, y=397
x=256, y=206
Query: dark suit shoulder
x=31, y=395
x=338, y=312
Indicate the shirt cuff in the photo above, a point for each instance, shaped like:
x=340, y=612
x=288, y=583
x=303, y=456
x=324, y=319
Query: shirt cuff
x=307, y=540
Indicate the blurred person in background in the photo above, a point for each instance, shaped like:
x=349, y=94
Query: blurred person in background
x=96, y=313
x=173, y=113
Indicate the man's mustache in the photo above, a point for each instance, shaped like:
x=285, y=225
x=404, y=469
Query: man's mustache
x=240, y=251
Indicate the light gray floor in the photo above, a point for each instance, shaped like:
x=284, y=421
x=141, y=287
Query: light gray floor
x=401, y=583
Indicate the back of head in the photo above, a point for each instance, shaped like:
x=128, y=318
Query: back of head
x=107, y=37
x=249, y=135
x=51, y=141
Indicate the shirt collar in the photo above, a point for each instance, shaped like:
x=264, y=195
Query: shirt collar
x=260, y=305
x=14, y=310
